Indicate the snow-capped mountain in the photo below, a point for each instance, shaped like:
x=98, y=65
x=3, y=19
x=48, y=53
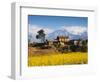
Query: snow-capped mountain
x=56, y=33
x=64, y=32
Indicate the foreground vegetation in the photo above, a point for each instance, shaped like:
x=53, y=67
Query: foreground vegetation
x=58, y=59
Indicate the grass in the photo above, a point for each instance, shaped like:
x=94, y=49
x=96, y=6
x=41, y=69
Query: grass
x=58, y=59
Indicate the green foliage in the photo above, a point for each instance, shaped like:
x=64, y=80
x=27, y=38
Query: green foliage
x=41, y=35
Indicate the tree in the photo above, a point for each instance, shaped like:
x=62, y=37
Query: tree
x=41, y=35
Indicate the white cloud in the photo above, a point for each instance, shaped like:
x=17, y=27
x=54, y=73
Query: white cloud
x=34, y=28
x=76, y=30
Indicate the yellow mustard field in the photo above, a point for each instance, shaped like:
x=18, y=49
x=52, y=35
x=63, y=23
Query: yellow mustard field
x=58, y=59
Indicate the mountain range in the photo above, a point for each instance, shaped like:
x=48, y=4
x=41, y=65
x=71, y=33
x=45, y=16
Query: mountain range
x=63, y=32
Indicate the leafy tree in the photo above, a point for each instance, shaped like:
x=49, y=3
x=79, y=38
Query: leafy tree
x=41, y=35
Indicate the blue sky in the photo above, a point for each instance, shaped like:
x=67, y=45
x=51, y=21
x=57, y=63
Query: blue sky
x=75, y=25
x=56, y=22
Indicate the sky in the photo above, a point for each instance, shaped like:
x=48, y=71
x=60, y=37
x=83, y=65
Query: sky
x=57, y=21
x=74, y=25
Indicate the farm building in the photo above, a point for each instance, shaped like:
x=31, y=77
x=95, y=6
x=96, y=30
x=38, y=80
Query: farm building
x=59, y=40
x=62, y=38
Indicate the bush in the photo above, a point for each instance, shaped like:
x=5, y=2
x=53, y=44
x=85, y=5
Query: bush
x=84, y=49
x=73, y=48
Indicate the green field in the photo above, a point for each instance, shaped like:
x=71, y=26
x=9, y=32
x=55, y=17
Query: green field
x=58, y=59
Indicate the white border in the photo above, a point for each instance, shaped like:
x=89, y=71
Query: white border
x=19, y=45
